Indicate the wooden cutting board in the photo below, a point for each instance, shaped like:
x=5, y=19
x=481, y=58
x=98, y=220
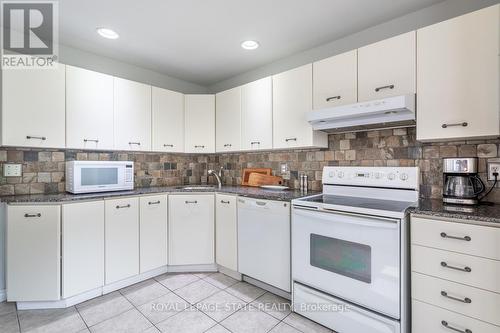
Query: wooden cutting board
x=257, y=179
x=248, y=171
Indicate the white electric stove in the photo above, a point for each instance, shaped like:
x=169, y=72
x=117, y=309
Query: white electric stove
x=350, y=251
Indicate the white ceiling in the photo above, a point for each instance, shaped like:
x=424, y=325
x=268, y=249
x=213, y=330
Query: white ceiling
x=199, y=40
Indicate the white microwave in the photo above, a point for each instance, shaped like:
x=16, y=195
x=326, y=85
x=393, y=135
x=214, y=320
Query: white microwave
x=99, y=176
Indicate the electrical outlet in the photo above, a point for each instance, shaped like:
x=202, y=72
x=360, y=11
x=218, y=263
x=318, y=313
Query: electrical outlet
x=285, y=171
x=492, y=168
x=12, y=170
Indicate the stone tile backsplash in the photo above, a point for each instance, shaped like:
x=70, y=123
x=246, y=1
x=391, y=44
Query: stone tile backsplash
x=43, y=169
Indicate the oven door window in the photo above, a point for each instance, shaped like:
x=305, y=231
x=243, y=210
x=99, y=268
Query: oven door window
x=342, y=257
x=99, y=176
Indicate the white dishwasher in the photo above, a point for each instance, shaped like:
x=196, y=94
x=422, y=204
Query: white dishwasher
x=264, y=241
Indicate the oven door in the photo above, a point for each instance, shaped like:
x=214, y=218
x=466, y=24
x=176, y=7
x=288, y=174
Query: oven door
x=354, y=257
x=99, y=177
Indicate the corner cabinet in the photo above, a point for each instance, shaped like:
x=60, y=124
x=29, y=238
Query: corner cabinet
x=257, y=115
x=199, y=129
x=292, y=99
x=228, y=120
x=191, y=229
x=89, y=109
x=33, y=110
x=458, y=77
x=132, y=115
x=226, y=231
x=168, y=120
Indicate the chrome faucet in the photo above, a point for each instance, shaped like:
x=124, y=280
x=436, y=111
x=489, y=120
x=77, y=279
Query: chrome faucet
x=217, y=175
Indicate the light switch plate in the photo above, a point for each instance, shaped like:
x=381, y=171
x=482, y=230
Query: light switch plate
x=12, y=170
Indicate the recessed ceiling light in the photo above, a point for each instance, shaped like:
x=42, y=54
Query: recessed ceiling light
x=250, y=45
x=107, y=33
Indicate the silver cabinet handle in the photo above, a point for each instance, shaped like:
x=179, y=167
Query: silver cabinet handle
x=463, y=300
x=168, y=145
x=291, y=139
x=445, y=324
x=333, y=97
x=390, y=86
x=191, y=202
x=30, y=137
x=227, y=145
x=154, y=202
x=91, y=140
x=134, y=143
x=464, y=124
x=225, y=202
x=255, y=143
x=260, y=203
x=465, y=238
x=124, y=206
x=465, y=269
x=32, y=215
x=199, y=146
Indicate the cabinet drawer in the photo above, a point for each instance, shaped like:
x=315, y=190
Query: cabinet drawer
x=472, y=302
x=428, y=318
x=473, y=271
x=458, y=237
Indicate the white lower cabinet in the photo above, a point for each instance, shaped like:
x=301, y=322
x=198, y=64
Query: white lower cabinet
x=191, y=229
x=82, y=247
x=121, y=239
x=33, y=253
x=226, y=231
x=153, y=232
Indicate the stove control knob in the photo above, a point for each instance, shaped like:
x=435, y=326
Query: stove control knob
x=331, y=174
x=391, y=176
x=377, y=175
x=403, y=176
x=340, y=174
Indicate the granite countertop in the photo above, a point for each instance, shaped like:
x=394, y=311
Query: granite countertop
x=482, y=214
x=245, y=191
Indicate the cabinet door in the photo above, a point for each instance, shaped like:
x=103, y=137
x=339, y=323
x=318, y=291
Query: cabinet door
x=387, y=68
x=82, y=247
x=191, y=229
x=228, y=120
x=33, y=110
x=121, y=242
x=458, y=77
x=292, y=99
x=199, y=129
x=335, y=80
x=132, y=115
x=257, y=115
x=89, y=109
x=153, y=232
x=226, y=231
x=33, y=253
x=168, y=120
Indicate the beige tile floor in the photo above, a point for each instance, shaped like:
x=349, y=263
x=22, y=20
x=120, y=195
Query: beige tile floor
x=191, y=303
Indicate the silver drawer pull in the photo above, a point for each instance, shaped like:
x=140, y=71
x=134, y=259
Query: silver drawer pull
x=199, y=146
x=390, y=86
x=464, y=124
x=134, y=143
x=445, y=324
x=225, y=202
x=30, y=137
x=191, y=202
x=168, y=145
x=33, y=215
x=260, y=203
x=465, y=238
x=255, y=143
x=463, y=300
x=124, y=206
x=91, y=140
x=227, y=145
x=465, y=269
x=154, y=202
x=291, y=139
x=332, y=98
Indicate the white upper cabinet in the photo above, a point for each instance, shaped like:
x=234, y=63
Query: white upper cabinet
x=89, y=109
x=387, y=68
x=168, y=120
x=199, y=130
x=33, y=107
x=458, y=77
x=257, y=115
x=228, y=120
x=292, y=99
x=132, y=115
x=335, y=80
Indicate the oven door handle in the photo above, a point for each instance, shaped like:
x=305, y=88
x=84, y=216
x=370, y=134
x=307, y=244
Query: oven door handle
x=325, y=214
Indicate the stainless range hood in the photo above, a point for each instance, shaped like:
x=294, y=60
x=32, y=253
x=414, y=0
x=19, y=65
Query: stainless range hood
x=390, y=112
